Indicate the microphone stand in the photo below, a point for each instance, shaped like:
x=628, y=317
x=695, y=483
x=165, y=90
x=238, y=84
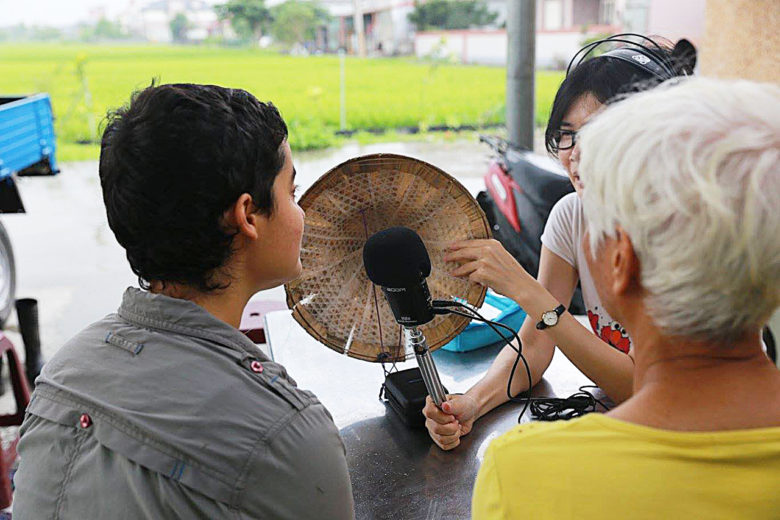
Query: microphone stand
x=416, y=339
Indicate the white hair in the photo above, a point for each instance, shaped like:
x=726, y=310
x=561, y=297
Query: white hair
x=691, y=171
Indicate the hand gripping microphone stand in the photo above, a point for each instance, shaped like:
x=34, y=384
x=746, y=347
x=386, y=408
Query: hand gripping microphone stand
x=396, y=260
x=412, y=306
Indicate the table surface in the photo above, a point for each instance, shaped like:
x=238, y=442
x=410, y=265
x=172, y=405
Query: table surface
x=398, y=472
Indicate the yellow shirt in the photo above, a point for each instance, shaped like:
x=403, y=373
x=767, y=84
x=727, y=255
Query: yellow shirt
x=601, y=468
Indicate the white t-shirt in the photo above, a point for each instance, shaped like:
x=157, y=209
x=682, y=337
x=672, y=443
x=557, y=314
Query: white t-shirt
x=563, y=236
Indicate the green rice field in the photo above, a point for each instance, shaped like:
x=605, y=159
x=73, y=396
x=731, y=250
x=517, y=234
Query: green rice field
x=85, y=81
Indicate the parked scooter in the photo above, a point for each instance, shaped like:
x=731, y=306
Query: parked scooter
x=521, y=189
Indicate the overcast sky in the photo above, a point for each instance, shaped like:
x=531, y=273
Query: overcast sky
x=59, y=12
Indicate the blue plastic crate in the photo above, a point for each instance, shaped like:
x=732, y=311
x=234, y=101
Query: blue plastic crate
x=477, y=334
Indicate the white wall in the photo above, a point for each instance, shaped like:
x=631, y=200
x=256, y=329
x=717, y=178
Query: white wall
x=156, y=27
x=674, y=19
x=403, y=30
x=553, y=49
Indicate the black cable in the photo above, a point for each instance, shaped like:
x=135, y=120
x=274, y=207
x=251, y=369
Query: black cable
x=382, y=357
x=659, y=53
x=444, y=304
x=542, y=408
x=526, y=400
x=557, y=408
x=491, y=324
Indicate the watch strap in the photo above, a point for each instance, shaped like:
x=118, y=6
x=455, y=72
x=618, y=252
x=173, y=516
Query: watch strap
x=559, y=310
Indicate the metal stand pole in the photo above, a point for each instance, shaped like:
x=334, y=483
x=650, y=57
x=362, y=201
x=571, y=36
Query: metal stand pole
x=416, y=339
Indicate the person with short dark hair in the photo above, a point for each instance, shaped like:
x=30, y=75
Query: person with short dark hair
x=165, y=409
x=604, y=354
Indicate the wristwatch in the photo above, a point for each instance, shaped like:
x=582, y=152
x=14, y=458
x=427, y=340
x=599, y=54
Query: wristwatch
x=550, y=318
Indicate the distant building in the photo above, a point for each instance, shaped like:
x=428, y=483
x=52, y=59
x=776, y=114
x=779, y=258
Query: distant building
x=386, y=26
x=97, y=13
x=389, y=32
x=671, y=19
x=152, y=20
x=563, y=25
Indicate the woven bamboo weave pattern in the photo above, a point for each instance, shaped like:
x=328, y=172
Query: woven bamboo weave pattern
x=333, y=298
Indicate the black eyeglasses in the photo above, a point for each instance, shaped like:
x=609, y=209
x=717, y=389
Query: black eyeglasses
x=564, y=139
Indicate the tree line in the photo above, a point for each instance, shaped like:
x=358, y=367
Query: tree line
x=289, y=23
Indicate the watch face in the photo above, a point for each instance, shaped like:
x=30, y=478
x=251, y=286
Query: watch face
x=550, y=318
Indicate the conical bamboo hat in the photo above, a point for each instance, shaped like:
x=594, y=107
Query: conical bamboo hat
x=333, y=298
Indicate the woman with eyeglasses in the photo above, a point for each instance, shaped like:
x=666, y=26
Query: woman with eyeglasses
x=604, y=353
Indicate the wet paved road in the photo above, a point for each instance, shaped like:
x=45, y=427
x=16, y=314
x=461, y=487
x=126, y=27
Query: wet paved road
x=67, y=257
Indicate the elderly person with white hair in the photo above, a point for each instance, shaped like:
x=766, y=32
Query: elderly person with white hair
x=681, y=197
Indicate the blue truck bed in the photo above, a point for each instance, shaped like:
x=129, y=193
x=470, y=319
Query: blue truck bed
x=26, y=148
x=26, y=136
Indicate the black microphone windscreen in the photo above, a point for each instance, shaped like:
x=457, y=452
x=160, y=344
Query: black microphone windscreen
x=396, y=257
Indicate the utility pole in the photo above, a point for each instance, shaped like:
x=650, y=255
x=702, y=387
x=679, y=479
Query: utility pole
x=521, y=52
x=359, y=30
x=342, y=92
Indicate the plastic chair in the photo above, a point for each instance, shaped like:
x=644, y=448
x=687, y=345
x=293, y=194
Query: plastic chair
x=21, y=389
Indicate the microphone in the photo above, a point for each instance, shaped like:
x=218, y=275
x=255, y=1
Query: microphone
x=396, y=260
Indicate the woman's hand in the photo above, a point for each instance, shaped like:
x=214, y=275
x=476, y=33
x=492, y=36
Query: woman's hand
x=487, y=262
x=454, y=420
